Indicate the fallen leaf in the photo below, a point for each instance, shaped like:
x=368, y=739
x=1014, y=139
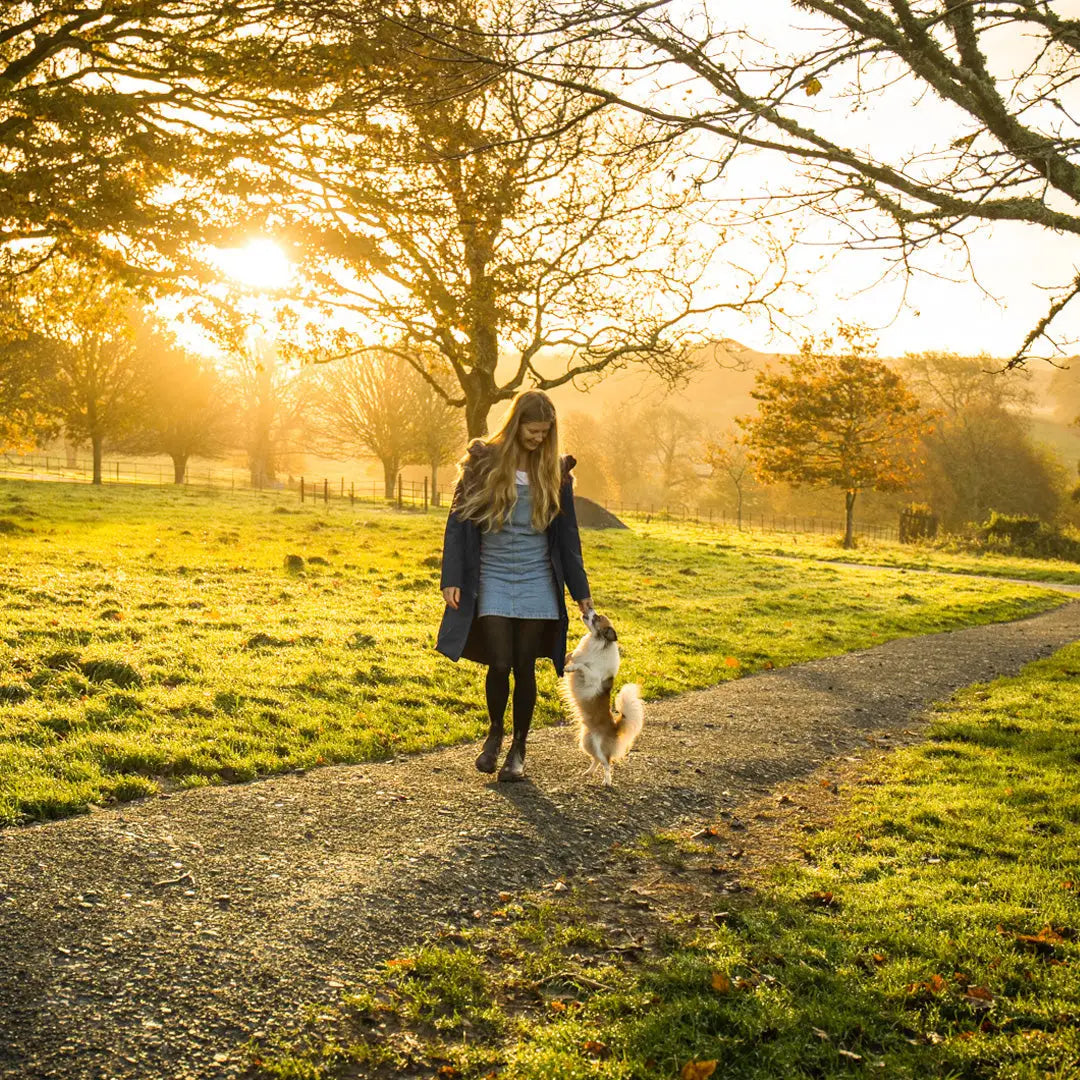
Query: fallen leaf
x=934, y=985
x=731, y=661
x=1043, y=942
x=851, y=1056
x=824, y=1035
x=978, y=997
x=595, y=1048
x=721, y=983
x=697, y=1070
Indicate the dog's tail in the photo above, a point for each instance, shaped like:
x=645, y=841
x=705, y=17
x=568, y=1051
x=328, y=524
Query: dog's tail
x=629, y=716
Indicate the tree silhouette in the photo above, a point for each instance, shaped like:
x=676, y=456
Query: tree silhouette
x=515, y=230
x=835, y=418
x=96, y=385
x=189, y=409
x=999, y=147
x=370, y=405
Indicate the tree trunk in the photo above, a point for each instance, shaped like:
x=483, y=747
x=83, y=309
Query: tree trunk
x=261, y=444
x=390, y=468
x=738, y=507
x=95, y=445
x=477, y=407
x=849, y=522
x=179, y=464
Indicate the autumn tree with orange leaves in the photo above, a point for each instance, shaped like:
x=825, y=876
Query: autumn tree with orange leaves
x=837, y=417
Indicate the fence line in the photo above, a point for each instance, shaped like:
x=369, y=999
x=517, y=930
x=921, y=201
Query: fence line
x=414, y=494
x=750, y=522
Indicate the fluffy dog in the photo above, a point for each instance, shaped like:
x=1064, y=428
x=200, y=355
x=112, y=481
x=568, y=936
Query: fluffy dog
x=590, y=670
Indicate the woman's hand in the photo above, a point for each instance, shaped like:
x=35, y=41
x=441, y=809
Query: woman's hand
x=586, y=605
x=452, y=596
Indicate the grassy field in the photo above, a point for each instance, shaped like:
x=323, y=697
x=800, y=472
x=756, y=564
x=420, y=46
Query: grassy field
x=931, y=932
x=156, y=638
x=867, y=553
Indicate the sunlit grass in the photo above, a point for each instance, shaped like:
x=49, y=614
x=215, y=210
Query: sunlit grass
x=156, y=637
x=932, y=932
x=811, y=545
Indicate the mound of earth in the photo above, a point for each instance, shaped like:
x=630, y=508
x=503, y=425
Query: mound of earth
x=591, y=515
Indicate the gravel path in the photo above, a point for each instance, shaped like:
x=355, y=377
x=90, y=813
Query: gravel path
x=153, y=939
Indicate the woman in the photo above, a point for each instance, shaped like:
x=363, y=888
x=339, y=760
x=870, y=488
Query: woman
x=511, y=547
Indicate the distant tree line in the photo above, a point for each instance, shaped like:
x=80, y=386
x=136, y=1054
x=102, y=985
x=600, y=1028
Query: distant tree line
x=87, y=360
x=932, y=428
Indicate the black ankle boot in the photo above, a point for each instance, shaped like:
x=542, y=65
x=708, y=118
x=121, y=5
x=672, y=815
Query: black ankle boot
x=513, y=768
x=489, y=753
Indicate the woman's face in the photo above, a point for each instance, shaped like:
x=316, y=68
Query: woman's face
x=530, y=436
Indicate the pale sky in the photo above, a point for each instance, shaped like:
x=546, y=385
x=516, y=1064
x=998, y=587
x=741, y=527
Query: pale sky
x=1014, y=263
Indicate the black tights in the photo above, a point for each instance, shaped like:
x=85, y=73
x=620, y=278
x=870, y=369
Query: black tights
x=512, y=645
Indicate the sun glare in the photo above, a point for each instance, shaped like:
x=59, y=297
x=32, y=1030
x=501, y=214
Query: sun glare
x=259, y=265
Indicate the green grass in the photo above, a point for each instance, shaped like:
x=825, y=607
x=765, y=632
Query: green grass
x=932, y=932
x=155, y=638
x=812, y=546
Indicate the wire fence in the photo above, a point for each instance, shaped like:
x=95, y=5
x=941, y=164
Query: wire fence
x=760, y=522
x=407, y=493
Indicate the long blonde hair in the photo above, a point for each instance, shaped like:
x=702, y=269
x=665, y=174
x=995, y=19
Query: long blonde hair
x=489, y=490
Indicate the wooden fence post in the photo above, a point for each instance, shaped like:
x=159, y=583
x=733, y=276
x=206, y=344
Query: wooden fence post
x=399, y=503
x=301, y=490
x=325, y=491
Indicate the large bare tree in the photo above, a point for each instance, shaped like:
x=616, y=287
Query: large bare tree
x=524, y=233
x=995, y=83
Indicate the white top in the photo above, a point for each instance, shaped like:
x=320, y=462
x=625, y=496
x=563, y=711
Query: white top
x=521, y=476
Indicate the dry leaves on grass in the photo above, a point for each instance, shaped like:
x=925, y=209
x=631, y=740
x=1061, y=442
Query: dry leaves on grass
x=1045, y=941
x=697, y=1070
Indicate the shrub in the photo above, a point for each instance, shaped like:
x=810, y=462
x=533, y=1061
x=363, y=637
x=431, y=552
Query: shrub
x=1018, y=535
x=1015, y=528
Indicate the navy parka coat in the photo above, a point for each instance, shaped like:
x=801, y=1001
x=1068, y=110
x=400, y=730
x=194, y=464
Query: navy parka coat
x=458, y=633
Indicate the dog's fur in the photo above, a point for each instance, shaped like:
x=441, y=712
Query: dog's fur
x=590, y=670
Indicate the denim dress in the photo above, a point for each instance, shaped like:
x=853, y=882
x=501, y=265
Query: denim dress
x=516, y=578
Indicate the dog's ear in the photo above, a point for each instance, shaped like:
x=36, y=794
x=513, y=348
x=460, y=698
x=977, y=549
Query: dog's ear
x=609, y=633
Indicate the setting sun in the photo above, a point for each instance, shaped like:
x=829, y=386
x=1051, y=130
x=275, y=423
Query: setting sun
x=261, y=264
